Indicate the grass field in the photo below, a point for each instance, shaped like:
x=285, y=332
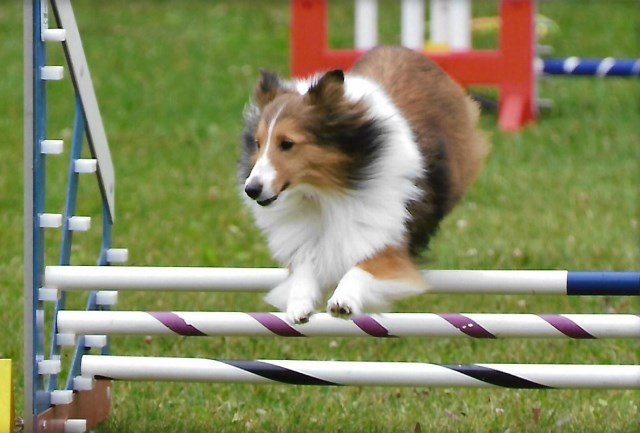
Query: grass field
x=172, y=79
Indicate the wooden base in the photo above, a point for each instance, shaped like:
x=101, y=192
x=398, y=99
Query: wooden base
x=93, y=406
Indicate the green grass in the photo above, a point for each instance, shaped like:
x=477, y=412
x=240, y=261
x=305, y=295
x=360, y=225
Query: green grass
x=172, y=79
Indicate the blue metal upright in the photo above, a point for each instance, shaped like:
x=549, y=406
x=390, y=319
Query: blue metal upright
x=35, y=167
x=41, y=368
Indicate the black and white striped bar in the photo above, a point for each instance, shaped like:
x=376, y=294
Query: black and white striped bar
x=490, y=326
x=531, y=376
x=607, y=283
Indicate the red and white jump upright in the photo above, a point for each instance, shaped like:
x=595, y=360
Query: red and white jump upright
x=509, y=67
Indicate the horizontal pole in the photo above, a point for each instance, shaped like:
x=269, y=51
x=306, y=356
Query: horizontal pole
x=534, y=376
x=577, y=326
x=139, y=278
x=466, y=67
x=601, y=67
x=263, y=279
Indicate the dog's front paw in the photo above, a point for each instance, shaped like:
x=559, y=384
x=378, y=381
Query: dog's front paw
x=341, y=306
x=299, y=312
x=349, y=298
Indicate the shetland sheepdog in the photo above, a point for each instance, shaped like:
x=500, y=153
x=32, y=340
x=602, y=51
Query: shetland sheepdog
x=348, y=176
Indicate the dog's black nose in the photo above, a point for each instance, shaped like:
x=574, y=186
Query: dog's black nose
x=253, y=189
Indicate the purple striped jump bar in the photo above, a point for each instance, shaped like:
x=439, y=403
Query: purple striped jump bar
x=488, y=326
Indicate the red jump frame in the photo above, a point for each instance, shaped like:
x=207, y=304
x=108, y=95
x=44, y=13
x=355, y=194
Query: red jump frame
x=510, y=67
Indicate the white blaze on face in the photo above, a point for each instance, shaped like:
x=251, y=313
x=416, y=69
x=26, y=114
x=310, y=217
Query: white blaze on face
x=263, y=171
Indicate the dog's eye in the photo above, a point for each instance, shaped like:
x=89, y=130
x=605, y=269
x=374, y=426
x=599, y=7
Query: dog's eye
x=257, y=142
x=286, y=145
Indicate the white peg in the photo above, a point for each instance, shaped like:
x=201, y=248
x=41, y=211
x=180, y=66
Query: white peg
x=50, y=220
x=75, y=426
x=52, y=73
x=544, y=103
x=66, y=339
x=60, y=396
x=54, y=35
x=49, y=366
x=40, y=318
x=107, y=298
x=51, y=147
x=98, y=341
x=81, y=383
x=79, y=223
x=85, y=165
x=47, y=294
x=117, y=255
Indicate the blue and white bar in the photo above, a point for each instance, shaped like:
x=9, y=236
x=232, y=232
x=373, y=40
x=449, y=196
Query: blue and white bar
x=604, y=67
x=390, y=325
x=525, y=376
x=575, y=283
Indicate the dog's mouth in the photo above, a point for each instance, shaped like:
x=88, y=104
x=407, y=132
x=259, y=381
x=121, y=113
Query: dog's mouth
x=268, y=201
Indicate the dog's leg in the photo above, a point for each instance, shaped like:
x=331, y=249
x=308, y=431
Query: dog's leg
x=279, y=295
x=297, y=295
x=373, y=283
x=304, y=295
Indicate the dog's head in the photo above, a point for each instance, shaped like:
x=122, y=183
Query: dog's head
x=306, y=134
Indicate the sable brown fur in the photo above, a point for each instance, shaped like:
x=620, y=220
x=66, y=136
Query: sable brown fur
x=443, y=119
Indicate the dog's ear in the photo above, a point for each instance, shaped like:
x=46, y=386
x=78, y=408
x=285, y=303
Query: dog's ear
x=328, y=90
x=267, y=88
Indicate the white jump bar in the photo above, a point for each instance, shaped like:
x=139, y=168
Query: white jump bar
x=162, y=278
x=362, y=373
x=138, y=278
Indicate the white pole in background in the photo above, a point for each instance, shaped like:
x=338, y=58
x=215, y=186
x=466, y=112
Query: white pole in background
x=450, y=23
x=412, y=24
x=366, y=24
x=459, y=25
x=438, y=21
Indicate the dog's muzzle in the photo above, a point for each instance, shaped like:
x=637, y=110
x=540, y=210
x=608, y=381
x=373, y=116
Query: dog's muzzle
x=254, y=189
